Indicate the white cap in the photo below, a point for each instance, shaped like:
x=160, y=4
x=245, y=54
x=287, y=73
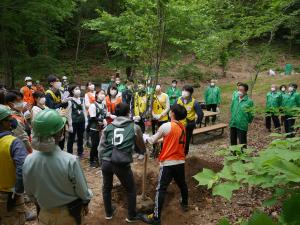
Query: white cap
x=64, y=78
x=27, y=78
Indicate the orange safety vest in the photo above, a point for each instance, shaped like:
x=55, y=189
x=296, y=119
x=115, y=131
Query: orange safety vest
x=92, y=97
x=174, y=143
x=27, y=94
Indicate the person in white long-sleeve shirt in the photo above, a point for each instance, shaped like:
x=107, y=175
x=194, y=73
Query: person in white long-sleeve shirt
x=39, y=103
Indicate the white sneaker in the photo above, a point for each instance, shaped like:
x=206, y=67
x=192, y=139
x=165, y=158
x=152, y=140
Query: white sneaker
x=141, y=157
x=135, y=155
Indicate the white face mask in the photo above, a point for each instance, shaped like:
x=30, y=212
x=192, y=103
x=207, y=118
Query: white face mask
x=29, y=83
x=282, y=89
x=157, y=88
x=77, y=92
x=92, y=87
x=273, y=89
x=57, y=85
x=18, y=106
x=240, y=94
x=185, y=94
x=291, y=89
x=113, y=92
x=101, y=97
x=173, y=85
x=118, y=81
x=42, y=101
x=212, y=84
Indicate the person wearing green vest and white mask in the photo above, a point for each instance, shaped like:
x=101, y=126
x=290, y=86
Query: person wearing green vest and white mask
x=290, y=101
x=173, y=92
x=119, y=139
x=273, y=102
x=212, y=96
x=240, y=116
x=54, y=178
x=12, y=155
x=121, y=87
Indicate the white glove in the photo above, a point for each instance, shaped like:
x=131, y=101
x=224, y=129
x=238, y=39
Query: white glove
x=104, y=123
x=113, y=116
x=67, y=99
x=136, y=119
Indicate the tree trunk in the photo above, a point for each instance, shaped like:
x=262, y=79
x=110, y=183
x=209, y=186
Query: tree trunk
x=77, y=53
x=253, y=82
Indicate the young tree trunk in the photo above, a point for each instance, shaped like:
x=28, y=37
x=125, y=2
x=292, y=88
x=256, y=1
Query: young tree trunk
x=77, y=53
x=253, y=82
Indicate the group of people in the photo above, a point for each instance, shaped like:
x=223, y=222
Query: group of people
x=34, y=126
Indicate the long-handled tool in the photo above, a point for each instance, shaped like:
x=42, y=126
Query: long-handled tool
x=144, y=203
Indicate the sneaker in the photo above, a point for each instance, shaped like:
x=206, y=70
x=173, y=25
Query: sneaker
x=135, y=219
x=150, y=219
x=141, y=157
x=185, y=208
x=135, y=155
x=109, y=217
x=30, y=216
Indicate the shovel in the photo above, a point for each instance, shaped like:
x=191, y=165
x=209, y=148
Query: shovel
x=144, y=203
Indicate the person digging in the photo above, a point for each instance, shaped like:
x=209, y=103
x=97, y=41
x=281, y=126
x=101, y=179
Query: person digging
x=171, y=160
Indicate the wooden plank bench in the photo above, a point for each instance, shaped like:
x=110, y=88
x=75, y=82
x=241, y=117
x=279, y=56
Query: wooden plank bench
x=202, y=130
x=215, y=127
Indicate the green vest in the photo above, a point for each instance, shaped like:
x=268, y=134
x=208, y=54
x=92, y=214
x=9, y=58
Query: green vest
x=240, y=117
x=174, y=94
x=273, y=100
x=122, y=137
x=77, y=113
x=100, y=115
x=212, y=95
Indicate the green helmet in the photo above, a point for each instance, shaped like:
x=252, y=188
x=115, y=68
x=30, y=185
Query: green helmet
x=4, y=112
x=47, y=123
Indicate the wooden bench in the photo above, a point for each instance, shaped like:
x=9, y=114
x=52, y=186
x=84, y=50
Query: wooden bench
x=202, y=130
x=215, y=127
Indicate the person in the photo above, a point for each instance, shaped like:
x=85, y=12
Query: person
x=12, y=156
x=173, y=92
x=127, y=95
x=140, y=106
x=121, y=87
x=90, y=95
x=112, y=80
x=212, y=96
x=193, y=108
x=121, y=135
x=54, y=101
x=97, y=122
x=53, y=95
x=14, y=101
x=290, y=101
x=160, y=108
x=65, y=88
x=235, y=92
x=27, y=91
x=111, y=101
x=76, y=126
x=39, y=103
x=241, y=117
x=171, y=160
x=284, y=95
x=283, y=89
x=54, y=178
x=273, y=102
x=39, y=86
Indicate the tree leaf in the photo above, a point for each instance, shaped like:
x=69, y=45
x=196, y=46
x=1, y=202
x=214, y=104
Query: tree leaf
x=225, y=189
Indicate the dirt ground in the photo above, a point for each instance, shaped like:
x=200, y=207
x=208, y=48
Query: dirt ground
x=204, y=209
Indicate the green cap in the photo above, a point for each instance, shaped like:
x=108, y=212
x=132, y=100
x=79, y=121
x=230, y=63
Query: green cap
x=47, y=123
x=4, y=112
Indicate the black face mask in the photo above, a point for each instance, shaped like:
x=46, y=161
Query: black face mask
x=13, y=123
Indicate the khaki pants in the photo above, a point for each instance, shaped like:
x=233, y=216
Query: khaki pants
x=16, y=216
x=57, y=216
